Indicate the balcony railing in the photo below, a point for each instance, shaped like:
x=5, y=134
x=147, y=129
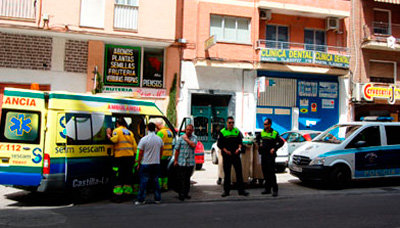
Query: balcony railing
x=381, y=30
x=301, y=46
x=23, y=9
x=289, y=52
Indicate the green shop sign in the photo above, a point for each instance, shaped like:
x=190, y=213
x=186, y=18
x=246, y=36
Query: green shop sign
x=122, y=65
x=304, y=56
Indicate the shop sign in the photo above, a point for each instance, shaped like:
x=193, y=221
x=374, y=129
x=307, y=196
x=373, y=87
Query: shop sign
x=304, y=56
x=371, y=91
x=136, y=92
x=122, y=65
x=153, y=69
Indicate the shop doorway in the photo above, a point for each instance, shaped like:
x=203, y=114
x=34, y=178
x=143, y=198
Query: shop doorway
x=209, y=114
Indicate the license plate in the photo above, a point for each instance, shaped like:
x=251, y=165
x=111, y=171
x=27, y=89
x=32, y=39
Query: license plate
x=297, y=169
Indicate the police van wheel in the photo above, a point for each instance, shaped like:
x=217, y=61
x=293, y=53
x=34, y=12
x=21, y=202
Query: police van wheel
x=340, y=177
x=199, y=166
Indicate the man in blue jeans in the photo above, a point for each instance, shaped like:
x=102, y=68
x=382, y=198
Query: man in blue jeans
x=150, y=150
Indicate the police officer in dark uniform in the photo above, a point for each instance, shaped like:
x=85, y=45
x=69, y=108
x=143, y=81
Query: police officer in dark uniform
x=268, y=143
x=230, y=143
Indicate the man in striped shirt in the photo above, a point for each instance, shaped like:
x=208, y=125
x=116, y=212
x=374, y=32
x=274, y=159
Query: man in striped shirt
x=184, y=160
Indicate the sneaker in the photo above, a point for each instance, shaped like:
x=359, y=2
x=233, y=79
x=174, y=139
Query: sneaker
x=243, y=193
x=219, y=181
x=139, y=203
x=275, y=194
x=157, y=202
x=224, y=194
x=265, y=192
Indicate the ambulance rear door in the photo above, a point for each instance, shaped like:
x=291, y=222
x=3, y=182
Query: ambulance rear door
x=22, y=131
x=88, y=150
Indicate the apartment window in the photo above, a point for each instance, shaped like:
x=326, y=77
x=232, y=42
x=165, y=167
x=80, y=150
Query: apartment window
x=126, y=14
x=381, y=22
x=382, y=71
x=92, y=13
x=277, y=37
x=19, y=9
x=230, y=29
x=314, y=40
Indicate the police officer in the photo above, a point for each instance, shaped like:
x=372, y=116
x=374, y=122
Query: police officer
x=230, y=143
x=167, y=137
x=124, y=147
x=268, y=143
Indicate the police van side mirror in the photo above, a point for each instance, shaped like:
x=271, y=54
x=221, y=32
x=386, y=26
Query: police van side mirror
x=360, y=143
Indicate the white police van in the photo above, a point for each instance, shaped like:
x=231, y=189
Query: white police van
x=349, y=151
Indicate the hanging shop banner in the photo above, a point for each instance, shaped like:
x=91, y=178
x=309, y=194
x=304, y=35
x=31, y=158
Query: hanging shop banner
x=304, y=56
x=153, y=68
x=122, y=65
x=371, y=91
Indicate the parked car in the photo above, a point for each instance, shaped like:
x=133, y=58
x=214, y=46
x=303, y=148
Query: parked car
x=297, y=138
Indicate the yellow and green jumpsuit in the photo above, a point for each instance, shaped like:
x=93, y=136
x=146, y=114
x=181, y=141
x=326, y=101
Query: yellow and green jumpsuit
x=124, y=150
x=167, y=137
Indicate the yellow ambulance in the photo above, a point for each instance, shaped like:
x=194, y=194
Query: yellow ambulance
x=57, y=140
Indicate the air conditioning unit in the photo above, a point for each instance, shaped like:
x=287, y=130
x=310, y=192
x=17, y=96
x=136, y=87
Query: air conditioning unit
x=265, y=14
x=332, y=23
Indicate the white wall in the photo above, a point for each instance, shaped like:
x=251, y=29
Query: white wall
x=344, y=97
x=224, y=80
x=73, y=82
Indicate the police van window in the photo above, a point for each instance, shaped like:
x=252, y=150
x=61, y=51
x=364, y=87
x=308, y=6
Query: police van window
x=285, y=136
x=370, y=135
x=20, y=126
x=392, y=134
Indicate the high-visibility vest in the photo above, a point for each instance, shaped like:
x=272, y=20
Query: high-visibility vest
x=269, y=135
x=125, y=144
x=167, y=137
x=230, y=133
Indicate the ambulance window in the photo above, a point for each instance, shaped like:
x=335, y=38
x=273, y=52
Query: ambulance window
x=20, y=126
x=370, y=135
x=392, y=134
x=79, y=130
x=87, y=128
x=100, y=123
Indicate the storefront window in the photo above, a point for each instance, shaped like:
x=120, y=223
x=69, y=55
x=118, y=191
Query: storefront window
x=153, y=68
